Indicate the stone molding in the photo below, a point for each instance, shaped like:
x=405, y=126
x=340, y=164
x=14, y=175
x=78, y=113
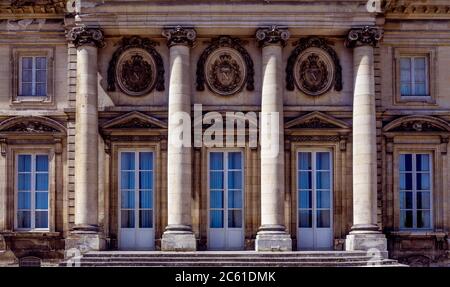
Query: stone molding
x=363, y=36
x=82, y=35
x=272, y=35
x=180, y=36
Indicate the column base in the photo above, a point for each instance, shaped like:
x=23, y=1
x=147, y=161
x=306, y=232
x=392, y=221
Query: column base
x=82, y=241
x=374, y=244
x=178, y=238
x=273, y=238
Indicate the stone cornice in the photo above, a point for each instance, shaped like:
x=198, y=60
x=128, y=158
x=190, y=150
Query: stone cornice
x=363, y=36
x=39, y=7
x=180, y=36
x=416, y=9
x=272, y=35
x=82, y=35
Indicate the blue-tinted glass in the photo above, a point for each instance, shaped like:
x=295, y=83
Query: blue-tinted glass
x=305, y=199
x=41, y=62
x=146, y=180
x=235, y=179
x=24, y=219
x=420, y=89
x=216, y=219
x=305, y=181
x=127, y=218
x=423, y=219
x=422, y=162
x=406, y=162
x=234, y=160
x=127, y=161
x=24, y=163
x=406, y=218
x=27, y=76
x=405, y=63
x=146, y=161
x=423, y=200
x=127, y=180
x=41, y=89
x=423, y=181
x=27, y=62
x=235, y=218
x=406, y=181
x=41, y=200
x=234, y=199
x=24, y=182
x=216, y=199
x=305, y=218
x=145, y=199
x=27, y=89
x=323, y=218
x=322, y=161
x=127, y=200
x=216, y=161
x=42, y=181
x=145, y=219
x=304, y=160
x=42, y=163
x=323, y=199
x=41, y=219
x=216, y=180
x=405, y=89
x=23, y=200
x=323, y=180
x=406, y=199
x=41, y=76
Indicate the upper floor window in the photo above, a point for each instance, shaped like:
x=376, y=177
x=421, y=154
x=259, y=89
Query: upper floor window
x=414, y=76
x=33, y=76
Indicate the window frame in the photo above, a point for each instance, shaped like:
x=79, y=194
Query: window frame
x=412, y=71
x=33, y=76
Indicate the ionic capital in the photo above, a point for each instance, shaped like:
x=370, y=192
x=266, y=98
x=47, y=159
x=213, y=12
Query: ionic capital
x=82, y=35
x=180, y=36
x=364, y=36
x=272, y=35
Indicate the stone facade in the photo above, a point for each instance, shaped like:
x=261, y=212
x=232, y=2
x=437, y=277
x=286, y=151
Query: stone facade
x=120, y=72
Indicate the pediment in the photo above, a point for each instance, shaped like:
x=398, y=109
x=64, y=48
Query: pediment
x=316, y=120
x=134, y=120
x=417, y=124
x=31, y=125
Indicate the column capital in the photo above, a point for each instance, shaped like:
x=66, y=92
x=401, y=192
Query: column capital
x=180, y=36
x=363, y=36
x=272, y=35
x=82, y=35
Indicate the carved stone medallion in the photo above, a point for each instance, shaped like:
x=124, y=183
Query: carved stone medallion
x=136, y=72
x=225, y=71
x=314, y=72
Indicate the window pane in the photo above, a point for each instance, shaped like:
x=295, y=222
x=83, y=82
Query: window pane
x=405, y=63
x=41, y=63
x=405, y=89
x=24, y=219
x=305, y=181
x=419, y=63
x=406, y=218
x=41, y=199
x=305, y=218
x=323, y=199
x=423, y=181
x=127, y=218
x=27, y=76
x=406, y=200
x=127, y=199
x=127, y=180
x=24, y=182
x=216, y=219
x=323, y=180
x=146, y=180
x=234, y=199
x=216, y=199
x=41, y=76
x=127, y=161
x=41, y=219
x=420, y=89
x=145, y=219
x=423, y=219
x=235, y=179
x=216, y=180
x=27, y=89
x=41, y=162
x=41, y=90
x=23, y=200
x=146, y=161
x=304, y=161
x=216, y=161
x=234, y=160
x=323, y=161
x=305, y=199
x=42, y=181
x=405, y=162
x=145, y=199
x=24, y=163
x=27, y=62
x=423, y=200
x=235, y=218
x=406, y=181
x=323, y=218
x=422, y=162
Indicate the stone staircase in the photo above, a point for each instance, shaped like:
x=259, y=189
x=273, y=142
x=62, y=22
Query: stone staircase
x=231, y=259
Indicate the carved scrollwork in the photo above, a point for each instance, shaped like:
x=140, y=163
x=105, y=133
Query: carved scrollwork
x=272, y=35
x=180, y=36
x=136, y=67
x=314, y=67
x=367, y=35
x=225, y=66
x=82, y=35
x=319, y=138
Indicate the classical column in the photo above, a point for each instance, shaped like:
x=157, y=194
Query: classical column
x=272, y=234
x=365, y=233
x=85, y=232
x=178, y=235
